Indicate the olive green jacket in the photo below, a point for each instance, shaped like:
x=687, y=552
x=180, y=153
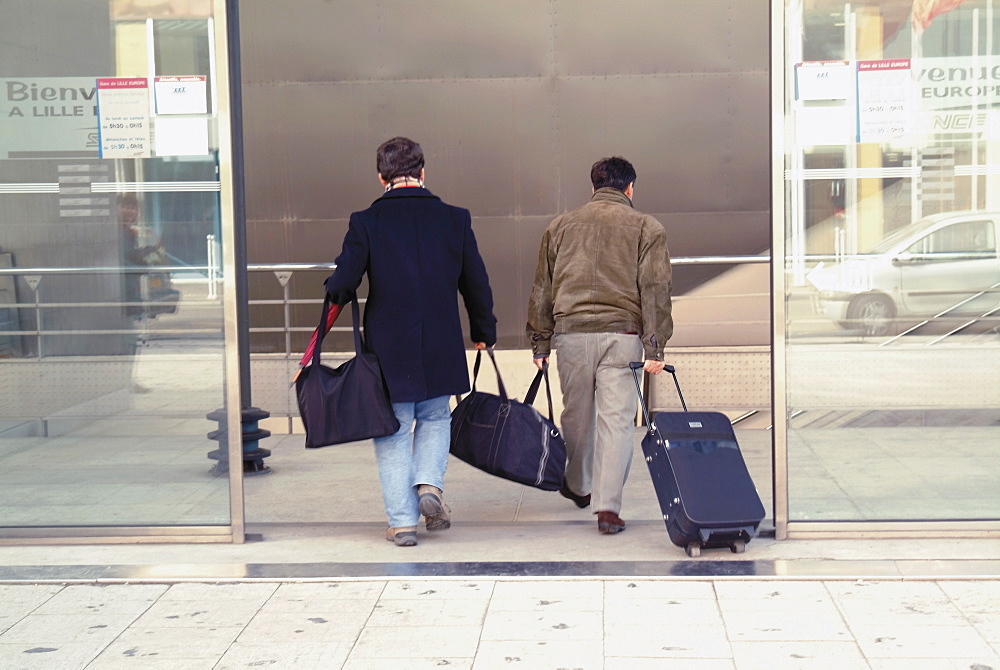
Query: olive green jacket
x=602, y=268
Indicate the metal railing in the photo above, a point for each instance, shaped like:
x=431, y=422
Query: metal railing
x=283, y=273
x=34, y=278
x=966, y=323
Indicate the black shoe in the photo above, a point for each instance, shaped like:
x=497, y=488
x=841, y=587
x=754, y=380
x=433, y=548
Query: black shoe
x=581, y=501
x=608, y=523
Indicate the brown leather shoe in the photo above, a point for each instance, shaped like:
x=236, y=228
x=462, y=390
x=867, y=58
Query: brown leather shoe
x=609, y=523
x=581, y=501
x=402, y=537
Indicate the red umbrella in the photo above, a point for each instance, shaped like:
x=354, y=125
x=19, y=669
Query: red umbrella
x=330, y=318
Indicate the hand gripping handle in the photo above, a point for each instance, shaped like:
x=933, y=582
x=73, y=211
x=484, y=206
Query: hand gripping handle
x=638, y=365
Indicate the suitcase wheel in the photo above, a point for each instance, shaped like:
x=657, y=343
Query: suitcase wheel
x=693, y=549
x=738, y=547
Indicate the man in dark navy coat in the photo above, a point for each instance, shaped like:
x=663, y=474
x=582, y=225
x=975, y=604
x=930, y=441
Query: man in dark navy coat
x=419, y=254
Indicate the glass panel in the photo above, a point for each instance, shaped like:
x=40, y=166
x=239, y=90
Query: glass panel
x=111, y=314
x=892, y=187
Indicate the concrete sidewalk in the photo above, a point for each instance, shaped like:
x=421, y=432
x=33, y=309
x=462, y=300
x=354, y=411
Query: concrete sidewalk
x=337, y=596
x=606, y=624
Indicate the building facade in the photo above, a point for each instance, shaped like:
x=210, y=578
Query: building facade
x=176, y=177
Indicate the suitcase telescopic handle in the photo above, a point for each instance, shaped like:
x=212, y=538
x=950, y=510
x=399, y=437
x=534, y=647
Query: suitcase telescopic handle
x=638, y=365
x=638, y=389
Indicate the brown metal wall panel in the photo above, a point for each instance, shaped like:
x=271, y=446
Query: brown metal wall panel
x=510, y=249
x=747, y=148
x=311, y=41
x=488, y=144
x=748, y=34
x=596, y=37
x=294, y=240
x=316, y=240
x=497, y=238
x=664, y=125
x=304, y=146
x=512, y=103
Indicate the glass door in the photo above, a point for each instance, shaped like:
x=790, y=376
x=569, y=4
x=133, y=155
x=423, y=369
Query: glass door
x=115, y=210
x=888, y=367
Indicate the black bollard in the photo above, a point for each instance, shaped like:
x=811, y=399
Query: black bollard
x=253, y=455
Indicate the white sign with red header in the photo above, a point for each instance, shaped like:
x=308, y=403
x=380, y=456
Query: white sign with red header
x=123, y=117
x=181, y=95
x=885, y=100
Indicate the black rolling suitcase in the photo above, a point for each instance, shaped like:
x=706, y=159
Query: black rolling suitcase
x=701, y=480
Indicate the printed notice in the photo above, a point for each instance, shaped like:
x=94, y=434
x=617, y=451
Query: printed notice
x=884, y=99
x=123, y=117
x=181, y=136
x=181, y=95
x=823, y=80
x=815, y=126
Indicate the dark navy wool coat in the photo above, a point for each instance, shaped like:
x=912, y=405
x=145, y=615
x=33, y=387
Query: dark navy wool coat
x=420, y=254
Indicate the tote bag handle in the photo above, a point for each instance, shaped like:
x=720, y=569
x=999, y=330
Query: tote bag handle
x=529, y=397
x=475, y=371
x=359, y=345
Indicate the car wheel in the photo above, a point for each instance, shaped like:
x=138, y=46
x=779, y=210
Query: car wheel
x=874, y=314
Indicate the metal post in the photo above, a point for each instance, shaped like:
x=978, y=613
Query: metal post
x=33, y=282
x=213, y=267
x=239, y=198
x=286, y=296
x=251, y=434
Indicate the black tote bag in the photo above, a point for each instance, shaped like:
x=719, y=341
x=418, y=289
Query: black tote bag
x=507, y=438
x=348, y=403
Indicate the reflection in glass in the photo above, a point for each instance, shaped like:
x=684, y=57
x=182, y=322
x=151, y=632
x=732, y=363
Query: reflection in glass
x=942, y=266
x=111, y=334
x=893, y=274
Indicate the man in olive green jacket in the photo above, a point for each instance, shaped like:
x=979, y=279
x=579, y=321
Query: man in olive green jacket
x=602, y=299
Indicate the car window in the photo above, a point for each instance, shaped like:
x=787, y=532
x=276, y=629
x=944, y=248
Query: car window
x=897, y=236
x=959, y=241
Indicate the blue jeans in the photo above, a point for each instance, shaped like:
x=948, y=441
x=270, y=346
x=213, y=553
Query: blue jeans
x=412, y=456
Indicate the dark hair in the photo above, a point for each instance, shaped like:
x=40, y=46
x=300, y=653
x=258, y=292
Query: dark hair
x=399, y=157
x=614, y=172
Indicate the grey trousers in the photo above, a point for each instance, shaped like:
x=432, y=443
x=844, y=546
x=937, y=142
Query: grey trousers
x=598, y=419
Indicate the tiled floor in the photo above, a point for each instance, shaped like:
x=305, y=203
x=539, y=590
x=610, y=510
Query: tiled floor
x=137, y=459
x=537, y=624
x=117, y=475
x=324, y=590
x=901, y=472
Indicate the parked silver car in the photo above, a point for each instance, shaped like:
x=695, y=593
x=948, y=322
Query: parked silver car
x=942, y=263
